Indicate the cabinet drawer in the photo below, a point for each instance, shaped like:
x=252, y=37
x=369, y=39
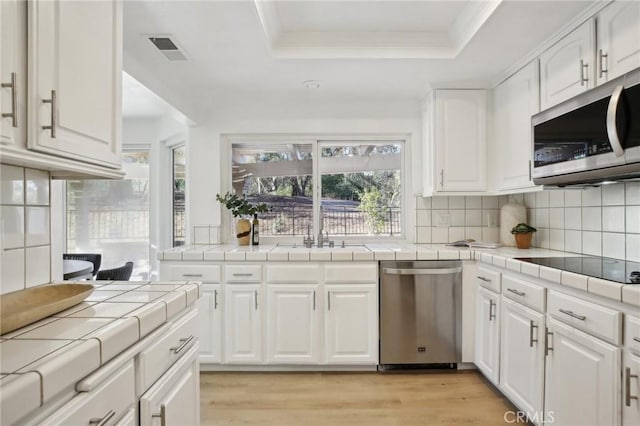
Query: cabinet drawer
x=243, y=273
x=488, y=278
x=524, y=292
x=108, y=402
x=293, y=274
x=593, y=318
x=160, y=355
x=351, y=274
x=206, y=273
x=632, y=333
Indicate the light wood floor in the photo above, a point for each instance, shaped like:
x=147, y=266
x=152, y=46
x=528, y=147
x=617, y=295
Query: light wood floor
x=353, y=399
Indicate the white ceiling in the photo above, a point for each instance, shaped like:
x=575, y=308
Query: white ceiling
x=358, y=50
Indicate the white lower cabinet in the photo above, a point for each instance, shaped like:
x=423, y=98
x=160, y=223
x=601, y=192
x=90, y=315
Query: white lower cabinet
x=243, y=324
x=582, y=379
x=174, y=398
x=351, y=324
x=104, y=405
x=487, y=344
x=293, y=324
x=631, y=389
x=210, y=323
x=522, y=357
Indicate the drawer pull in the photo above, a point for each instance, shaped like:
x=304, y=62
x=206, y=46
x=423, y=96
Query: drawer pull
x=192, y=275
x=637, y=339
x=486, y=280
x=514, y=291
x=492, y=313
x=573, y=315
x=532, y=339
x=104, y=420
x=242, y=274
x=184, y=342
x=162, y=415
x=547, y=347
x=627, y=386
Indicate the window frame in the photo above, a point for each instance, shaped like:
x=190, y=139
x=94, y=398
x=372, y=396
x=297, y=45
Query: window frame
x=317, y=141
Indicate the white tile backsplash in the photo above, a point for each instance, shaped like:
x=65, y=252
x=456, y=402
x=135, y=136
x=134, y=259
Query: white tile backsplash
x=613, y=219
x=592, y=197
x=573, y=198
x=573, y=241
x=573, y=218
x=473, y=202
x=592, y=218
x=592, y=243
x=632, y=220
x=556, y=198
x=632, y=196
x=613, y=244
x=613, y=195
x=456, y=203
x=25, y=228
x=633, y=247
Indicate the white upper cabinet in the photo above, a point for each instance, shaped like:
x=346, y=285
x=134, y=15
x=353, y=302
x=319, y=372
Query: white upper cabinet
x=618, y=39
x=13, y=72
x=75, y=73
x=515, y=101
x=460, y=140
x=567, y=67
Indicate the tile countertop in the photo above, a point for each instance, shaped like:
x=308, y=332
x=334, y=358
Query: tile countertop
x=43, y=359
x=502, y=257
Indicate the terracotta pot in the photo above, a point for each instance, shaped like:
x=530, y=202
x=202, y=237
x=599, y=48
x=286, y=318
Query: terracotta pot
x=243, y=232
x=523, y=241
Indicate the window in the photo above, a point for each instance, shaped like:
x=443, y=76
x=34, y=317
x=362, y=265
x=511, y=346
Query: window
x=179, y=183
x=111, y=217
x=347, y=189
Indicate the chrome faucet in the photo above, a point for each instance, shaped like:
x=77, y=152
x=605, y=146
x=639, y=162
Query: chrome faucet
x=308, y=240
x=322, y=239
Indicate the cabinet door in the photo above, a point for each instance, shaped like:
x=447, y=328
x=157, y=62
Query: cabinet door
x=515, y=101
x=487, y=345
x=351, y=324
x=75, y=73
x=175, y=398
x=293, y=326
x=566, y=68
x=631, y=389
x=242, y=324
x=582, y=378
x=460, y=132
x=13, y=72
x=618, y=35
x=210, y=323
x=522, y=357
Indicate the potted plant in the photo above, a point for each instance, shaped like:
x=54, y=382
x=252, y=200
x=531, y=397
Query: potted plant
x=523, y=234
x=240, y=207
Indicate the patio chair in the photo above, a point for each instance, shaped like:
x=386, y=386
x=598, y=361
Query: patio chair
x=94, y=258
x=123, y=273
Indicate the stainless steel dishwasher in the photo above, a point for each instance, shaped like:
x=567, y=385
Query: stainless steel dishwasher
x=420, y=313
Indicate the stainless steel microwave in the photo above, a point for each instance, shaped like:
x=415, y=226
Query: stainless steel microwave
x=591, y=138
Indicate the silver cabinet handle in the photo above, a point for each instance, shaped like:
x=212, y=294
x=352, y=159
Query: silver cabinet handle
x=434, y=271
x=612, y=129
x=14, y=100
x=627, y=386
x=184, y=342
x=255, y=295
x=192, y=275
x=584, y=69
x=215, y=299
x=102, y=421
x=547, y=347
x=54, y=102
x=532, y=339
x=637, y=339
x=162, y=415
x=329, y=300
x=314, y=300
x=516, y=292
x=441, y=178
x=486, y=280
x=492, y=314
x=243, y=274
x=573, y=315
x=601, y=56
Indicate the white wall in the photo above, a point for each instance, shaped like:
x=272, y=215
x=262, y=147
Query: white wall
x=287, y=117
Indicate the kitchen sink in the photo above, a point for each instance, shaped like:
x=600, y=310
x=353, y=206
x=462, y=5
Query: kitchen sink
x=281, y=248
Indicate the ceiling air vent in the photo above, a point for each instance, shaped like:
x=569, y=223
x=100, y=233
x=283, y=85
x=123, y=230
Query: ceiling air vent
x=168, y=48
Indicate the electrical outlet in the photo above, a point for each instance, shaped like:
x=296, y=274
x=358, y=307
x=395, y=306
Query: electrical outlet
x=443, y=220
x=491, y=219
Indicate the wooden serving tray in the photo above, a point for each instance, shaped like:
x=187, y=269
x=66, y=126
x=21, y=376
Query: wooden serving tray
x=24, y=307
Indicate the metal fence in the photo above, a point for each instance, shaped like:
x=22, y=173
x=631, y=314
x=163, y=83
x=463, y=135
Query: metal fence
x=105, y=225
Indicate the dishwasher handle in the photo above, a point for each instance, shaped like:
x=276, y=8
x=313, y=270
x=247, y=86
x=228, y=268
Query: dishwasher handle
x=433, y=271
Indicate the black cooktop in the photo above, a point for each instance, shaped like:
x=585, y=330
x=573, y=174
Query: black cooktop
x=621, y=271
